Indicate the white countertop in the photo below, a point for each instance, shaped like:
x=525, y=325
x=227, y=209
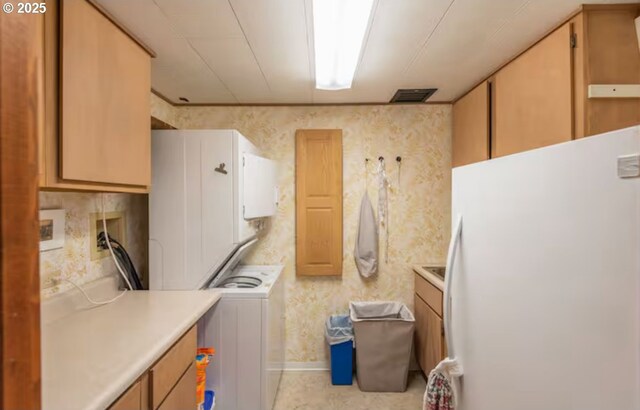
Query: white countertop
x=91, y=356
x=433, y=279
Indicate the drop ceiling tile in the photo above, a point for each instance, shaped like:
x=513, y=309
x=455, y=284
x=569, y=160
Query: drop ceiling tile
x=199, y=86
x=277, y=33
x=213, y=18
x=397, y=33
x=179, y=71
x=448, y=59
x=173, y=7
x=142, y=17
x=234, y=63
x=408, y=46
x=367, y=92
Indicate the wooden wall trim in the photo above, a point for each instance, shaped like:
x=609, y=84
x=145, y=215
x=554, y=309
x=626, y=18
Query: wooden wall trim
x=20, y=41
x=174, y=104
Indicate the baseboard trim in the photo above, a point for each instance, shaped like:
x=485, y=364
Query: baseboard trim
x=306, y=366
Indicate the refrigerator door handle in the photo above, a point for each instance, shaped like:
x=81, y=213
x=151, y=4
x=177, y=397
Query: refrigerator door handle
x=454, y=244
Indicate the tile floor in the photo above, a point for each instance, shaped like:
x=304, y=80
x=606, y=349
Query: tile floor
x=313, y=391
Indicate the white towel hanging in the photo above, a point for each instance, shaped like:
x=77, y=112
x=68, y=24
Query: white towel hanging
x=366, y=247
x=383, y=204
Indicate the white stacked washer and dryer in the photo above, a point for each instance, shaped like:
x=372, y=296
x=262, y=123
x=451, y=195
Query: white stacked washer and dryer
x=209, y=196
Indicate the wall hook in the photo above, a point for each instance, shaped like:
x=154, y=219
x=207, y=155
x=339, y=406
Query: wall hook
x=221, y=169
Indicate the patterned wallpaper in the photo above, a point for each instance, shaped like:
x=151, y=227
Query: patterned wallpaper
x=419, y=205
x=73, y=261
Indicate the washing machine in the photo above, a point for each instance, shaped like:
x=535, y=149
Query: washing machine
x=246, y=327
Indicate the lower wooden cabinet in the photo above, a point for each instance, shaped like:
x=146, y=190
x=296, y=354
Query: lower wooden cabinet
x=170, y=384
x=430, y=346
x=171, y=367
x=183, y=395
x=131, y=399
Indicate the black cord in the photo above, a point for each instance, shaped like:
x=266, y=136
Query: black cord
x=123, y=259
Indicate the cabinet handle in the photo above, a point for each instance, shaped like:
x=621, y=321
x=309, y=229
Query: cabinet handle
x=221, y=169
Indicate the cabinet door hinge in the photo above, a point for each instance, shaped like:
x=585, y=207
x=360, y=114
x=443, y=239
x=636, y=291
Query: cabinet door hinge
x=573, y=40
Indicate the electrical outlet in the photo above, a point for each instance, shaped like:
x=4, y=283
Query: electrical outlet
x=116, y=226
x=629, y=166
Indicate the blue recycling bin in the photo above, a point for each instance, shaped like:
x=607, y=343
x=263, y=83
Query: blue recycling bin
x=339, y=335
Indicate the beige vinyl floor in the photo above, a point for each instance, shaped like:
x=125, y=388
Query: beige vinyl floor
x=310, y=390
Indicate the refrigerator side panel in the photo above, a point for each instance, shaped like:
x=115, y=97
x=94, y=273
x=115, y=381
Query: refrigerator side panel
x=546, y=282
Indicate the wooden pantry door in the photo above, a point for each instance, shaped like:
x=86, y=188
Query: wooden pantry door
x=20, y=123
x=319, y=202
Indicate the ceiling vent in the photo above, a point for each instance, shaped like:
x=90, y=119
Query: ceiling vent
x=412, y=96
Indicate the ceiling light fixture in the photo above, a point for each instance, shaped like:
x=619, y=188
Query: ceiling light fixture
x=339, y=27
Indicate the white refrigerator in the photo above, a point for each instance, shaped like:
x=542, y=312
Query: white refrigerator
x=543, y=278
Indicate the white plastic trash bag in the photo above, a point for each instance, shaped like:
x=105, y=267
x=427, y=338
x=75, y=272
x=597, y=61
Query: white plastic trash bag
x=338, y=329
x=361, y=311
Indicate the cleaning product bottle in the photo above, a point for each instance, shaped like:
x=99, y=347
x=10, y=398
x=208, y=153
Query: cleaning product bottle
x=203, y=358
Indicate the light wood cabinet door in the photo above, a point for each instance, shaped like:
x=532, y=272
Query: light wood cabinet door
x=533, y=97
x=428, y=336
x=613, y=58
x=165, y=373
x=429, y=294
x=319, y=202
x=104, y=108
x=471, y=127
x=130, y=400
x=183, y=395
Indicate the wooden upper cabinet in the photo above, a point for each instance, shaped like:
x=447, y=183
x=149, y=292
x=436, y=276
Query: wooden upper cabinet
x=105, y=109
x=611, y=56
x=97, y=102
x=541, y=97
x=533, y=97
x=319, y=202
x=471, y=127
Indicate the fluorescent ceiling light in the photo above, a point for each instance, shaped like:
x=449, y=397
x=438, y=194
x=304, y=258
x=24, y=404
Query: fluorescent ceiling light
x=339, y=27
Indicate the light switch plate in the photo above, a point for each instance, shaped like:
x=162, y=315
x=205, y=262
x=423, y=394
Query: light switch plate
x=629, y=166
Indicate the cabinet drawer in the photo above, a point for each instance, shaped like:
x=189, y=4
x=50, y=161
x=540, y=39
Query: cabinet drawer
x=130, y=400
x=429, y=293
x=169, y=369
x=183, y=395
